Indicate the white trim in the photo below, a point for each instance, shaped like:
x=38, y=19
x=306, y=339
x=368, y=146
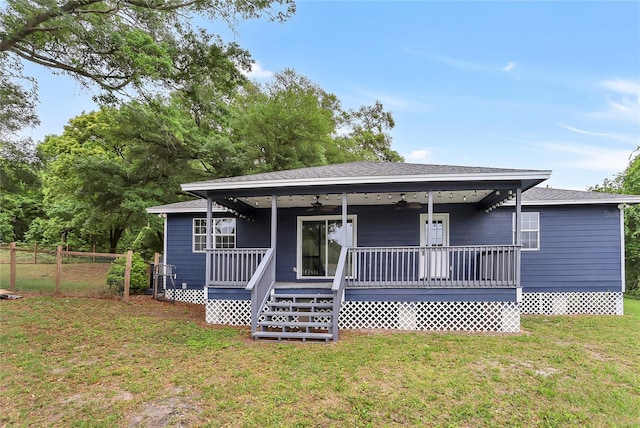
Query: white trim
x=163, y=209
x=165, y=249
x=444, y=217
x=513, y=229
x=630, y=200
x=623, y=274
x=326, y=181
x=300, y=219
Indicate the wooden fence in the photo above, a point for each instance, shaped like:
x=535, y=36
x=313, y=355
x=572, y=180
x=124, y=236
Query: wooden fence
x=60, y=254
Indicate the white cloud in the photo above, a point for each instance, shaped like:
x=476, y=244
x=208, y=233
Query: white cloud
x=582, y=131
x=509, y=66
x=257, y=72
x=625, y=108
x=418, y=156
x=622, y=86
x=590, y=157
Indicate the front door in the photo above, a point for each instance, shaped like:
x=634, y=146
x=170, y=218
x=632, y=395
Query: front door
x=320, y=240
x=438, y=258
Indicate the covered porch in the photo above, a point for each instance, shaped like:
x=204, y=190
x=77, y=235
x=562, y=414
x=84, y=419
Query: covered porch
x=321, y=231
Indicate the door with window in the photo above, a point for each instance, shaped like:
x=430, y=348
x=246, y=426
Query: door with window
x=320, y=240
x=437, y=260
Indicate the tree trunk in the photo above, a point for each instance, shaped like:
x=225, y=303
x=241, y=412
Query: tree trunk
x=114, y=238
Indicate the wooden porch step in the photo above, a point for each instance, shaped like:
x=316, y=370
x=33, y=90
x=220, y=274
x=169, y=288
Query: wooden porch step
x=292, y=335
x=296, y=314
x=303, y=305
x=304, y=285
x=302, y=296
x=299, y=324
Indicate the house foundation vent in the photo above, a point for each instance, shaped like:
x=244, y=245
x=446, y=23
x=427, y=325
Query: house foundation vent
x=570, y=303
x=188, y=296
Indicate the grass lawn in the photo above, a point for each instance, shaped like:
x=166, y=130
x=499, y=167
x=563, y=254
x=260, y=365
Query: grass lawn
x=92, y=362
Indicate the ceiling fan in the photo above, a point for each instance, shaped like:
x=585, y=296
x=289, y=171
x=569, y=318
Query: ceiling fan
x=403, y=203
x=316, y=205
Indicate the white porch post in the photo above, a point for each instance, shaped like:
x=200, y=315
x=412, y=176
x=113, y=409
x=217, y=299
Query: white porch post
x=208, y=244
x=429, y=218
x=518, y=240
x=274, y=221
x=344, y=217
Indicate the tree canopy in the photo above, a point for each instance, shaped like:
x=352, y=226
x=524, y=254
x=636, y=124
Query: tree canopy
x=119, y=45
x=108, y=166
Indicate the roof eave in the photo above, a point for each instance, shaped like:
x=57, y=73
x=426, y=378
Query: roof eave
x=531, y=176
x=630, y=200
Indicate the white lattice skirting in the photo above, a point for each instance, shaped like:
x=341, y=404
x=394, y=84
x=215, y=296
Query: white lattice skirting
x=466, y=316
x=188, y=296
x=572, y=303
x=228, y=312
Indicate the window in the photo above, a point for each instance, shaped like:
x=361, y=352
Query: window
x=223, y=233
x=530, y=230
x=320, y=240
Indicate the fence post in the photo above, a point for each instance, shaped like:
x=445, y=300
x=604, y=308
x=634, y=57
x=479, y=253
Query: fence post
x=93, y=250
x=35, y=253
x=58, y=268
x=12, y=269
x=156, y=260
x=127, y=275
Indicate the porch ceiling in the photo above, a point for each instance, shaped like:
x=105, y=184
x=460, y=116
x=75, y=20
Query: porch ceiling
x=328, y=200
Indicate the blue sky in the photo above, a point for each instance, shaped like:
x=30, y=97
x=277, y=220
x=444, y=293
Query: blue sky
x=543, y=85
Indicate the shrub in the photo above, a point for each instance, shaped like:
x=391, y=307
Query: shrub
x=139, y=281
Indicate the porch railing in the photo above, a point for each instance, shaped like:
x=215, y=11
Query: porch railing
x=460, y=266
x=261, y=285
x=234, y=266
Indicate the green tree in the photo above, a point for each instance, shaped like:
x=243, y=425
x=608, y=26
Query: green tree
x=628, y=182
x=118, y=45
x=292, y=122
x=367, y=137
x=287, y=123
x=20, y=195
x=99, y=179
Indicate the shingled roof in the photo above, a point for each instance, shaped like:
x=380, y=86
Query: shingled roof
x=551, y=196
x=366, y=169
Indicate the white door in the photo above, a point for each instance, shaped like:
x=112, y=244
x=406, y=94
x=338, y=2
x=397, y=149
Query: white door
x=438, y=259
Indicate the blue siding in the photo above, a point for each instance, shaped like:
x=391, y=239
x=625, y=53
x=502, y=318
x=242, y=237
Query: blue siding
x=190, y=266
x=579, y=250
x=229, y=294
x=580, y=245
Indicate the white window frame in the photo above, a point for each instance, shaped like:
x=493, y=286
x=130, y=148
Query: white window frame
x=537, y=214
x=302, y=219
x=444, y=218
x=213, y=232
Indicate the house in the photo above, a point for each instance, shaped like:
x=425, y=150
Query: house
x=305, y=252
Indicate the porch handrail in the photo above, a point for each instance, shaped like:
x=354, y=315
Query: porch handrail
x=261, y=284
x=234, y=266
x=450, y=266
x=337, y=288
